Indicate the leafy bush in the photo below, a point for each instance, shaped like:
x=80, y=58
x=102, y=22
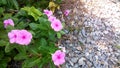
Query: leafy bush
x=30, y=22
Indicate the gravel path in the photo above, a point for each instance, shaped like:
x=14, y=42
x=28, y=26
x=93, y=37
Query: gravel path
x=91, y=37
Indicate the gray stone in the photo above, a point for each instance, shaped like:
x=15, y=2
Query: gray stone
x=71, y=63
x=83, y=32
x=74, y=59
x=81, y=61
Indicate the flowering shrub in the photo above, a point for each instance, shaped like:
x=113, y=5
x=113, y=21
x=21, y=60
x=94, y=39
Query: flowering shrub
x=39, y=31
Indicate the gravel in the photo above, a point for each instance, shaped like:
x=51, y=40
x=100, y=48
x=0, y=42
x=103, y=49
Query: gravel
x=94, y=44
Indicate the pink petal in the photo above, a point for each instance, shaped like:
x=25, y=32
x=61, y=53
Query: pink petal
x=66, y=12
x=11, y=22
x=56, y=25
x=58, y=61
x=27, y=37
x=48, y=13
x=52, y=19
x=8, y=22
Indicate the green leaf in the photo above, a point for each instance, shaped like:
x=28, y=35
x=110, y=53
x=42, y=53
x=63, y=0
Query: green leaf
x=1, y=54
x=7, y=15
x=30, y=62
x=43, y=42
x=63, y=24
x=3, y=65
x=44, y=50
x=52, y=49
x=15, y=4
x=2, y=2
x=3, y=36
x=33, y=26
x=1, y=25
x=2, y=43
x=4, y=61
x=52, y=65
x=1, y=10
x=62, y=32
x=43, y=26
x=32, y=11
x=9, y=28
x=59, y=35
x=8, y=47
x=117, y=46
x=22, y=25
x=44, y=60
x=43, y=20
x=34, y=51
x=20, y=56
x=32, y=32
x=52, y=36
x=21, y=49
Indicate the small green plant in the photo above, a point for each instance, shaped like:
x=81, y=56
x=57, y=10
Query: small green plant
x=29, y=36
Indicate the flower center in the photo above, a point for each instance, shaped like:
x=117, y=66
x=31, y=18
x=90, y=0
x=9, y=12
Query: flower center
x=47, y=12
x=56, y=25
x=58, y=57
x=23, y=37
x=15, y=36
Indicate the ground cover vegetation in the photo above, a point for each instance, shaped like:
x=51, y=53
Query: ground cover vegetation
x=28, y=33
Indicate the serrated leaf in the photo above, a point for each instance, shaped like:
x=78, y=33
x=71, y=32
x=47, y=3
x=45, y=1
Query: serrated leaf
x=32, y=11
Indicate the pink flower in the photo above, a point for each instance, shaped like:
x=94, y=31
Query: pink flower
x=66, y=12
x=48, y=13
x=52, y=19
x=56, y=25
x=58, y=57
x=24, y=37
x=8, y=22
x=13, y=36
